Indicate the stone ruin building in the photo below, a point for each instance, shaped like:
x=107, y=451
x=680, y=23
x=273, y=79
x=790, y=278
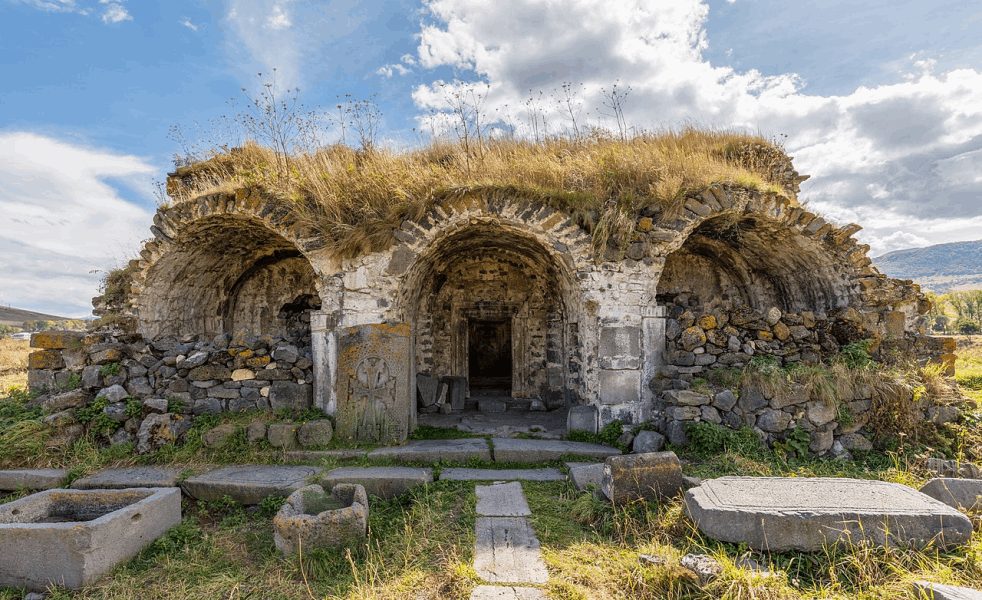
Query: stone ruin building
x=235, y=304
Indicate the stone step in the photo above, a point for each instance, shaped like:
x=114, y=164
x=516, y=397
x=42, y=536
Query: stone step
x=385, y=482
x=938, y=591
x=431, y=451
x=314, y=456
x=521, y=450
x=495, y=592
x=31, y=479
x=502, y=500
x=791, y=513
x=249, y=484
x=507, y=551
x=457, y=474
x=131, y=477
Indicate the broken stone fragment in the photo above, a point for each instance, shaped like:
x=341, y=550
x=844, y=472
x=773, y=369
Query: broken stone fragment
x=633, y=477
x=706, y=568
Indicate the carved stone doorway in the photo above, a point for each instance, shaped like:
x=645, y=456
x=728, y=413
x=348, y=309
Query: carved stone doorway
x=489, y=360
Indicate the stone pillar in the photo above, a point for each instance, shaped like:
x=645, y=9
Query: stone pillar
x=653, y=349
x=324, y=343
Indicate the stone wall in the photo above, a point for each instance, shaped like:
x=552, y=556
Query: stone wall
x=225, y=373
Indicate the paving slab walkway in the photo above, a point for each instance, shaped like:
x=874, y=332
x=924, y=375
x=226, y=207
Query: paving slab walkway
x=506, y=549
x=436, y=450
x=32, y=479
x=131, y=477
x=385, y=482
x=457, y=474
x=520, y=450
x=248, y=484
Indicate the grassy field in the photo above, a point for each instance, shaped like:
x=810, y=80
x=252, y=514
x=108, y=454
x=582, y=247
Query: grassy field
x=421, y=544
x=13, y=364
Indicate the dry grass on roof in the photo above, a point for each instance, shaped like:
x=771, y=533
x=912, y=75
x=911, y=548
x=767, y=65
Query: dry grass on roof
x=357, y=198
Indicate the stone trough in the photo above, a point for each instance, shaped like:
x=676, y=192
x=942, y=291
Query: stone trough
x=71, y=537
x=780, y=514
x=313, y=518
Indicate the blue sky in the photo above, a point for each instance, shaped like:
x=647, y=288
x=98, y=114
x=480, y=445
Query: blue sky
x=881, y=102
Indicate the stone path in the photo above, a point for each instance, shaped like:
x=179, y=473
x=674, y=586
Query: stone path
x=520, y=450
x=130, y=477
x=32, y=479
x=456, y=474
x=506, y=550
x=248, y=484
x=386, y=482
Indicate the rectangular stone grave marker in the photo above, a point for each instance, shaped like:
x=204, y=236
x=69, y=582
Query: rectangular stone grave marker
x=32, y=479
x=375, y=402
x=248, y=484
x=788, y=513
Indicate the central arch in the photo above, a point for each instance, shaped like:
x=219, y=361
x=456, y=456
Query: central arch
x=491, y=303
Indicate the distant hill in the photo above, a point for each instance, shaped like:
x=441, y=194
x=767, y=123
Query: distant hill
x=16, y=316
x=941, y=268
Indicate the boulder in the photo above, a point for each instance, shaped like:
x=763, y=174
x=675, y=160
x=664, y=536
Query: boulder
x=156, y=431
x=648, y=441
x=315, y=433
x=964, y=494
x=218, y=435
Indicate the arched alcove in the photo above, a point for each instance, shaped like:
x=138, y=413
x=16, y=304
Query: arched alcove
x=751, y=261
x=227, y=274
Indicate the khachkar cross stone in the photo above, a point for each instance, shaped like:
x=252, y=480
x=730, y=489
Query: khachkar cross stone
x=373, y=396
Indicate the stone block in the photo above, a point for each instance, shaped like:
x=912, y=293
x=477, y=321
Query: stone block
x=582, y=418
x=778, y=514
x=685, y=398
x=964, y=494
x=434, y=450
x=506, y=550
x=290, y=395
x=66, y=400
x=218, y=435
x=773, y=421
x=855, y=441
x=820, y=413
x=113, y=393
x=39, y=380
x=497, y=592
x=682, y=413
x=248, y=484
x=57, y=340
x=243, y=375
x=426, y=387
x=620, y=387
x=636, y=477
x=457, y=391
x=131, y=477
x=583, y=476
x=620, y=347
x=315, y=433
x=45, y=359
x=31, y=479
x=312, y=518
x=926, y=590
x=724, y=400
x=104, y=357
x=71, y=537
x=520, y=450
x=282, y=435
x=207, y=372
x=648, y=441
x=207, y=406
x=256, y=432
x=384, y=482
x=751, y=399
x=373, y=379
x=953, y=468
x=675, y=433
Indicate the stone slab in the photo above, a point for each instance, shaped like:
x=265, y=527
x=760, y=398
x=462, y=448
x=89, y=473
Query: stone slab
x=32, y=479
x=491, y=405
x=779, y=513
x=585, y=475
x=385, y=482
x=249, y=484
x=71, y=537
x=502, y=500
x=502, y=474
x=318, y=455
x=131, y=477
x=521, y=450
x=965, y=494
x=926, y=590
x=498, y=592
x=431, y=451
x=635, y=477
x=507, y=551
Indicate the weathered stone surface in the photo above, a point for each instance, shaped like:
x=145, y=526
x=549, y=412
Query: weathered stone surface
x=426, y=387
x=854, y=441
x=289, y=395
x=312, y=518
x=45, y=359
x=773, y=421
x=59, y=402
x=583, y=476
x=385, y=482
x=692, y=338
x=777, y=514
x=248, y=484
x=459, y=474
x=953, y=468
x=282, y=435
x=724, y=400
x=582, y=418
x=256, y=432
x=675, y=433
x=502, y=500
x=243, y=375
x=218, y=435
x=685, y=398
x=637, y=477
x=286, y=353
x=207, y=372
x=706, y=568
x=965, y=494
x=491, y=405
x=113, y=393
x=131, y=477
x=155, y=406
x=648, y=441
x=619, y=387
x=318, y=456
x=820, y=413
x=92, y=531
x=927, y=590
x=507, y=551
x=519, y=450
x=682, y=413
x=620, y=347
x=156, y=431
x=57, y=340
x=207, y=406
x=498, y=592
x=751, y=400
x=458, y=391
x=31, y=479
x=373, y=382
x=315, y=433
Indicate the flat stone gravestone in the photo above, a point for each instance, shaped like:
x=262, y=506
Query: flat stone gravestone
x=497, y=592
x=507, y=551
x=71, y=537
x=248, y=484
x=520, y=450
x=426, y=387
x=436, y=450
x=502, y=500
x=130, y=477
x=456, y=474
x=32, y=479
x=964, y=494
x=926, y=590
x=373, y=378
x=458, y=391
x=385, y=482
x=778, y=514
x=585, y=475
x=633, y=477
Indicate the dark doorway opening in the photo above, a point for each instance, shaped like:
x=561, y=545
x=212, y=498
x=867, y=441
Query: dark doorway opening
x=489, y=357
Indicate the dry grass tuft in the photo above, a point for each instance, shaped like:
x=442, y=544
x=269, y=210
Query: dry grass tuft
x=356, y=198
x=13, y=364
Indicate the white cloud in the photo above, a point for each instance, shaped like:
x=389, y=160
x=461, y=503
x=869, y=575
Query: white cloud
x=266, y=29
x=389, y=70
x=52, y=5
x=892, y=155
x=187, y=23
x=68, y=220
x=115, y=12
